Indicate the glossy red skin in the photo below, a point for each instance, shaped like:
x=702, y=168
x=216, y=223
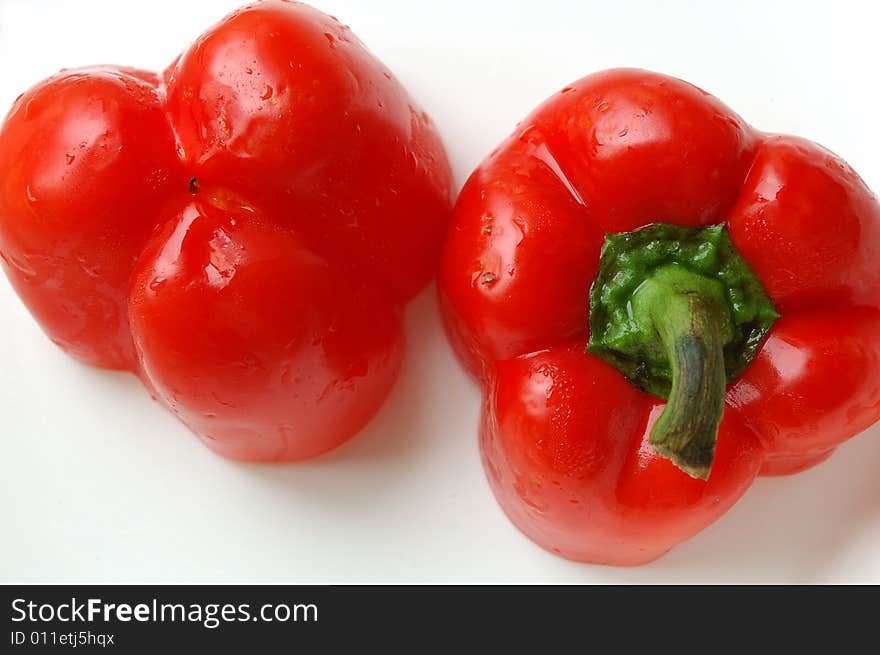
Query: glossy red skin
x=263, y=305
x=563, y=435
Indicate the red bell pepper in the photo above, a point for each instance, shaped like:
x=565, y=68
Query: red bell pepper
x=635, y=241
x=241, y=232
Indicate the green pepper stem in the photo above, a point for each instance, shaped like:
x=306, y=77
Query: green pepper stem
x=688, y=427
x=679, y=312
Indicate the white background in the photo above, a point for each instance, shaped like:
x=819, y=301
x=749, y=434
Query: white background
x=97, y=483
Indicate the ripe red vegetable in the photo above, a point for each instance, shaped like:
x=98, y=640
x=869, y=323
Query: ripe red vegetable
x=241, y=232
x=740, y=278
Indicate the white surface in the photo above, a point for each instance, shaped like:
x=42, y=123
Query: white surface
x=99, y=484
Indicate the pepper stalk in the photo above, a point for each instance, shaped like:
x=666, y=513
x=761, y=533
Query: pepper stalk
x=680, y=313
